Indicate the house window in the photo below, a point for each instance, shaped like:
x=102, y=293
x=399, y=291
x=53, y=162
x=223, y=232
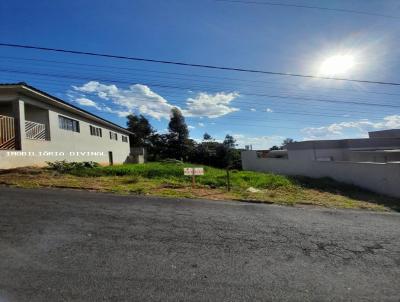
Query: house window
x=68, y=124
x=113, y=136
x=95, y=131
x=124, y=138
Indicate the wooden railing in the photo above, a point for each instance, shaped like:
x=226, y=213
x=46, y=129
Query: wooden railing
x=35, y=130
x=7, y=132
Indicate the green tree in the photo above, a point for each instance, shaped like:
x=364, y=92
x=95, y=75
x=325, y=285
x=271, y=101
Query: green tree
x=226, y=154
x=207, y=137
x=177, y=125
x=178, y=142
x=141, y=129
x=229, y=142
x=158, y=148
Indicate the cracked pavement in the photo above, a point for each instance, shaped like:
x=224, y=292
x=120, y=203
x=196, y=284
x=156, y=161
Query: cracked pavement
x=64, y=245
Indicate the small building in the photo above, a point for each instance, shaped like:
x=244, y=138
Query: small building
x=36, y=127
x=381, y=146
x=372, y=163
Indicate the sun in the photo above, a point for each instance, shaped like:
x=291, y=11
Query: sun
x=337, y=65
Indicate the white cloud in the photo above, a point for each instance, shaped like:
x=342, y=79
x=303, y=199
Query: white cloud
x=191, y=127
x=86, y=102
x=258, y=142
x=123, y=113
x=269, y=110
x=103, y=91
x=344, y=129
x=210, y=105
x=136, y=97
x=253, y=109
x=201, y=124
x=141, y=98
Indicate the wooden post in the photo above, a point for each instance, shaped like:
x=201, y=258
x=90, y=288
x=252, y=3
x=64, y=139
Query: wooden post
x=228, y=180
x=17, y=124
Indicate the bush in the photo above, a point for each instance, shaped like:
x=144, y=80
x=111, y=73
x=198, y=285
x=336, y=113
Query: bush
x=63, y=166
x=173, y=172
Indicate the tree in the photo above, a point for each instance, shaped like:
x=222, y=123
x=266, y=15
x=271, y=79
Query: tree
x=274, y=148
x=158, y=147
x=177, y=125
x=207, y=137
x=204, y=152
x=178, y=141
x=287, y=141
x=229, y=142
x=226, y=154
x=141, y=129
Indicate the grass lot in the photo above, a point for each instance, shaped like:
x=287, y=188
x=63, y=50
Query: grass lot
x=167, y=179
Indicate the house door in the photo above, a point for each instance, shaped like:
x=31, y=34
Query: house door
x=110, y=158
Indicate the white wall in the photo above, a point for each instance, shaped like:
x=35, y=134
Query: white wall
x=382, y=178
x=65, y=141
x=312, y=154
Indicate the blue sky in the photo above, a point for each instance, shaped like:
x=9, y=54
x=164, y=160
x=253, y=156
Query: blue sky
x=257, y=109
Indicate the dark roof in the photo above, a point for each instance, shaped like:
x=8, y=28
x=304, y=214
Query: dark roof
x=25, y=85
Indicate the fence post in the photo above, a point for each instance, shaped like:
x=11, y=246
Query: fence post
x=228, y=180
x=193, y=180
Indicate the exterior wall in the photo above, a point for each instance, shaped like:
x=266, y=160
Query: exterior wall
x=343, y=155
x=392, y=133
x=377, y=177
x=360, y=143
x=36, y=114
x=318, y=154
x=64, y=141
x=375, y=156
x=344, y=150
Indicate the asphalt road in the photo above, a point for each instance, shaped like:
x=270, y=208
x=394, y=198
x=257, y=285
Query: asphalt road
x=61, y=245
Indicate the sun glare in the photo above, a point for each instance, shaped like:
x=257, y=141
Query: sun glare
x=337, y=65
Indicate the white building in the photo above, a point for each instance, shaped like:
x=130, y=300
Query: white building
x=36, y=127
x=372, y=163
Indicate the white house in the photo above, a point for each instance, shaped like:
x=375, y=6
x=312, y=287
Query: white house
x=372, y=163
x=36, y=127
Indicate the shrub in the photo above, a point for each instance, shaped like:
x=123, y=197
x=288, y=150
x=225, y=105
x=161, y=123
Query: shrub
x=173, y=172
x=63, y=166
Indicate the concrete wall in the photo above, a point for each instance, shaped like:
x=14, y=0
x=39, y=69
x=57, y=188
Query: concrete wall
x=316, y=154
x=38, y=115
x=392, y=133
x=377, y=177
x=374, y=156
x=94, y=148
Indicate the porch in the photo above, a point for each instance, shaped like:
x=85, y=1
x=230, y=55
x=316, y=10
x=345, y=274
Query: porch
x=34, y=126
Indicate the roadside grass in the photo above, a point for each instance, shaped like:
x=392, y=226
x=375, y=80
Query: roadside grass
x=167, y=179
x=172, y=172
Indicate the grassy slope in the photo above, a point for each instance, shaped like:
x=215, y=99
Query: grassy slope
x=167, y=179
